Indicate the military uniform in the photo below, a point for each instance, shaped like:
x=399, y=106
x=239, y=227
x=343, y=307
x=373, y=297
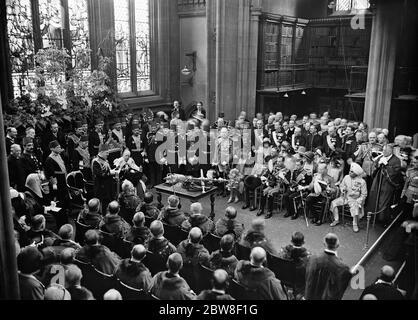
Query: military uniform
x=410, y=189
x=103, y=181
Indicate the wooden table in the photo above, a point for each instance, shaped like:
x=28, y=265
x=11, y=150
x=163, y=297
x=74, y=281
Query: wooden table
x=192, y=196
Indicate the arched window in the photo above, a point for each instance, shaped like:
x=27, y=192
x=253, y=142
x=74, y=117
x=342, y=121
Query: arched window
x=33, y=25
x=133, y=43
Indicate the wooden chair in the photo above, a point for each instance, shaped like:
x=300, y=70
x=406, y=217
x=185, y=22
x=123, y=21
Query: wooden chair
x=285, y=270
x=154, y=263
x=130, y=293
x=80, y=231
x=189, y=273
x=211, y=242
x=174, y=234
x=111, y=241
x=204, y=276
x=241, y=292
x=126, y=248
x=242, y=252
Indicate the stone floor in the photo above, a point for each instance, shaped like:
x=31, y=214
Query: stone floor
x=280, y=229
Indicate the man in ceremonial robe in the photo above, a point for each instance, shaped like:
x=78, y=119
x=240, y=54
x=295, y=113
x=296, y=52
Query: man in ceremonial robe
x=103, y=177
x=73, y=140
x=96, y=138
x=136, y=143
x=327, y=277
x=387, y=179
x=56, y=172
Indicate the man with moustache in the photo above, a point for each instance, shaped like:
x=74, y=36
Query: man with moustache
x=30, y=162
x=73, y=141
x=11, y=135
x=53, y=134
x=17, y=176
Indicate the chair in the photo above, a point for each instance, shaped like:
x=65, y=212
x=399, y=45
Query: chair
x=80, y=231
x=111, y=241
x=205, y=277
x=211, y=242
x=126, y=248
x=174, y=234
x=129, y=293
x=241, y=292
x=278, y=198
x=285, y=270
x=189, y=273
x=154, y=263
x=242, y=252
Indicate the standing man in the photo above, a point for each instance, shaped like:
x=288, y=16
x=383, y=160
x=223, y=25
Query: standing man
x=96, y=138
x=30, y=162
x=314, y=140
x=56, y=172
x=387, y=179
x=17, y=175
x=136, y=143
x=367, y=153
x=103, y=177
x=297, y=140
x=327, y=277
x=11, y=135
x=54, y=134
x=73, y=141
x=177, y=108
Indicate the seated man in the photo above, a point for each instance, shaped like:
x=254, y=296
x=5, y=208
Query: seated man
x=323, y=187
x=28, y=264
x=171, y=214
x=384, y=288
x=148, y=207
x=113, y=222
x=255, y=237
x=199, y=220
x=66, y=234
x=224, y=258
x=229, y=225
x=92, y=216
x=138, y=233
x=191, y=250
x=219, y=286
x=254, y=275
x=169, y=285
x=128, y=201
x=38, y=233
x=354, y=193
x=158, y=244
x=133, y=272
x=98, y=255
x=73, y=278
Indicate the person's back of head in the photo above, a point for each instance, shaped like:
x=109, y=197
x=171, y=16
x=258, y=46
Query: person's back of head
x=67, y=256
x=331, y=241
x=196, y=208
x=298, y=239
x=148, y=198
x=369, y=297
x=227, y=243
x=387, y=274
x=112, y=294
x=73, y=276
x=94, y=205
x=195, y=235
x=173, y=201
x=258, y=256
x=138, y=219
x=92, y=237
x=220, y=279
x=38, y=222
x=113, y=208
x=258, y=225
x=174, y=263
x=157, y=228
x=138, y=253
x=66, y=232
x=56, y=292
x=29, y=260
x=231, y=213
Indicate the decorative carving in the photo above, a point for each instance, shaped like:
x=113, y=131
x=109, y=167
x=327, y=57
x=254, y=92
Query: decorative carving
x=191, y=5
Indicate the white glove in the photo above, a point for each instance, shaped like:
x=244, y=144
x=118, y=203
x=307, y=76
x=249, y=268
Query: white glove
x=383, y=161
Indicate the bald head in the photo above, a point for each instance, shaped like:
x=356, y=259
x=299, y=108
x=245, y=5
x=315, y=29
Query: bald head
x=195, y=235
x=67, y=256
x=369, y=297
x=331, y=241
x=73, y=276
x=258, y=225
x=112, y=294
x=92, y=237
x=66, y=232
x=57, y=292
x=174, y=263
x=139, y=219
x=173, y=201
x=138, y=253
x=196, y=208
x=220, y=279
x=157, y=228
x=387, y=273
x=231, y=213
x=94, y=205
x=113, y=207
x=258, y=256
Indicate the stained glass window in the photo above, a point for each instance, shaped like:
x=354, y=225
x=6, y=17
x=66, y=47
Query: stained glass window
x=132, y=60
x=347, y=5
x=27, y=35
x=21, y=45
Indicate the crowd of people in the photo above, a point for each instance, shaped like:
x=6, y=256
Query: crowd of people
x=312, y=167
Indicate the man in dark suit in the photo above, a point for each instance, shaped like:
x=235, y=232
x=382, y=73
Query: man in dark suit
x=383, y=288
x=313, y=139
x=17, y=175
x=73, y=278
x=327, y=277
x=331, y=141
x=54, y=134
x=177, y=107
x=28, y=264
x=30, y=162
x=11, y=135
x=387, y=179
x=56, y=172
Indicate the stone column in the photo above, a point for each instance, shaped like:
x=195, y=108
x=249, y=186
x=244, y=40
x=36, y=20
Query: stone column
x=382, y=63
